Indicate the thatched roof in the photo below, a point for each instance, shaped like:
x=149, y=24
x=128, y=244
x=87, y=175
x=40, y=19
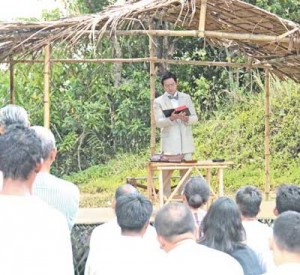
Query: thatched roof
x=280, y=49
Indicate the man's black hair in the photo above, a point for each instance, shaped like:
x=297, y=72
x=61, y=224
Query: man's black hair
x=20, y=152
x=168, y=75
x=248, y=199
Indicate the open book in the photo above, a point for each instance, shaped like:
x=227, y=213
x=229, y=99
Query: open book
x=179, y=109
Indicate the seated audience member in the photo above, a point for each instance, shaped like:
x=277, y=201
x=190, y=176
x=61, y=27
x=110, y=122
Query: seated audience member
x=127, y=253
x=222, y=229
x=286, y=244
x=248, y=199
x=196, y=193
x=175, y=227
x=58, y=193
x=112, y=230
x=34, y=238
x=13, y=115
x=287, y=198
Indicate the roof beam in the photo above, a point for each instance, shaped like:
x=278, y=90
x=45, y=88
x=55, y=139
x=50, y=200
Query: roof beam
x=155, y=60
x=208, y=34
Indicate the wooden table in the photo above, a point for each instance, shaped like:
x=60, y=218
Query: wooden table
x=208, y=165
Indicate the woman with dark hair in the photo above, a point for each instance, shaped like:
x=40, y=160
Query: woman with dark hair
x=196, y=193
x=222, y=229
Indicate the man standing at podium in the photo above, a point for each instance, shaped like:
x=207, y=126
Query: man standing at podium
x=176, y=131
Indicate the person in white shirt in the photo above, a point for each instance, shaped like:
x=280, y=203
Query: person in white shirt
x=127, y=253
x=175, y=227
x=58, y=193
x=111, y=229
x=34, y=238
x=248, y=199
x=12, y=115
x=286, y=244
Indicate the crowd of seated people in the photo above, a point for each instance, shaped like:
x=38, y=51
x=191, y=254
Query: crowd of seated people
x=38, y=211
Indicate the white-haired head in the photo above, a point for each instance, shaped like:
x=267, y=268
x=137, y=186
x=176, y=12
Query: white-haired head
x=13, y=115
x=47, y=139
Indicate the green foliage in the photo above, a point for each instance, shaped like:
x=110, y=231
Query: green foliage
x=236, y=133
x=289, y=9
x=86, y=6
x=107, y=177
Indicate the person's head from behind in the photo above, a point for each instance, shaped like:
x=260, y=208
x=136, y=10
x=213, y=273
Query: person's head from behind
x=222, y=226
x=286, y=238
x=133, y=213
x=196, y=192
x=169, y=82
x=122, y=190
x=20, y=154
x=248, y=199
x=48, y=142
x=287, y=198
x=173, y=223
x=13, y=115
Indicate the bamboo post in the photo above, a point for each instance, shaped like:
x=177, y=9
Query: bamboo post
x=11, y=81
x=46, y=101
x=202, y=18
x=152, y=89
x=267, y=133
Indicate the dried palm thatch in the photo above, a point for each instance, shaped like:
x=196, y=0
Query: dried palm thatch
x=263, y=36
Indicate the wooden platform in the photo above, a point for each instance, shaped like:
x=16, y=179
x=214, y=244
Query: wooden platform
x=101, y=215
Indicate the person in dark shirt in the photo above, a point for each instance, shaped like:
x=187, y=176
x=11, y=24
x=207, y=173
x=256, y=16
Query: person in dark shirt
x=222, y=229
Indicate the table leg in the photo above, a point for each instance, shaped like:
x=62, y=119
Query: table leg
x=161, y=188
x=208, y=175
x=221, y=184
x=181, y=182
x=150, y=184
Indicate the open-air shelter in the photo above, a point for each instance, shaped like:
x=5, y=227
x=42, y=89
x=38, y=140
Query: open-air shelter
x=270, y=42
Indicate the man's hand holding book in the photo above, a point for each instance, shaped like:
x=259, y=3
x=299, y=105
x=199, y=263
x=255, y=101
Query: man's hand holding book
x=181, y=112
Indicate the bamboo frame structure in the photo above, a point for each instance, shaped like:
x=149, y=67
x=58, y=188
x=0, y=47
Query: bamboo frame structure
x=11, y=81
x=152, y=91
x=46, y=100
x=272, y=43
x=155, y=60
x=202, y=18
x=267, y=134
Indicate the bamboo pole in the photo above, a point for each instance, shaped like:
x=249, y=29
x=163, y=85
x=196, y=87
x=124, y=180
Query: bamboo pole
x=193, y=33
x=11, y=81
x=202, y=18
x=156, y=60
x=46, y=101
x=267, y=134
x=197, y=33
x=152, y=90
x=212, y=63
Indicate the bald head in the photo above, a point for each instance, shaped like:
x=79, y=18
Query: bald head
x=125, y=189
x=173, y=220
